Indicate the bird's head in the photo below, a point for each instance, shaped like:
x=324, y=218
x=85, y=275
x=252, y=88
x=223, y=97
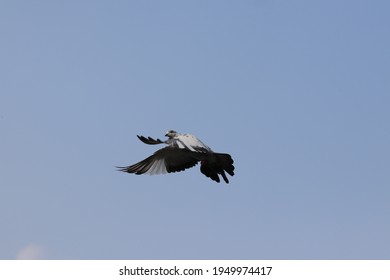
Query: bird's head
x=171, y=133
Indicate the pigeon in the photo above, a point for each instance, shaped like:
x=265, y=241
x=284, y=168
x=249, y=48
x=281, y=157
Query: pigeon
x=183, y=151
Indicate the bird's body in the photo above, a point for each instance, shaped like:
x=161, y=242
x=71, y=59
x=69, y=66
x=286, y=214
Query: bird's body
x=188, y=141
x=183, y=151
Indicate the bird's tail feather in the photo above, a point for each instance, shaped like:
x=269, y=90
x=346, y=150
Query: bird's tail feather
x=217, y=165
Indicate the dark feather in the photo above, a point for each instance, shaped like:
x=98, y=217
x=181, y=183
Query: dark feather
x=216, y=164
x=149, y=140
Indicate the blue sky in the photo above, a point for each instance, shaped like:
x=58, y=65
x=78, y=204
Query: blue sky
x=298, y=92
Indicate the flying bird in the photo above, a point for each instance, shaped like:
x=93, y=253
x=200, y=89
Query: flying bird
x=183, y=151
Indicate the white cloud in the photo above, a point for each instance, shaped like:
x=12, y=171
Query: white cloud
x=31, y=252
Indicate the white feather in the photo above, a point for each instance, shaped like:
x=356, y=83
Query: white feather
x=157, y=167
x=190, y=142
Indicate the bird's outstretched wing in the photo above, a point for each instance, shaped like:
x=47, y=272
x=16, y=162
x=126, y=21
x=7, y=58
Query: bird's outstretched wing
x=150, y=140
x=166, y=160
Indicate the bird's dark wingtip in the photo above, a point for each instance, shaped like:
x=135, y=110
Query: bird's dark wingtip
x=149, y=140
x=121, y=168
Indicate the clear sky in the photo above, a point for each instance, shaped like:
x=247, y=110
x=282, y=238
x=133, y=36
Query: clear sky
x=298, y=92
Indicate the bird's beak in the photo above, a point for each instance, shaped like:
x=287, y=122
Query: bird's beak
x=166, y=134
